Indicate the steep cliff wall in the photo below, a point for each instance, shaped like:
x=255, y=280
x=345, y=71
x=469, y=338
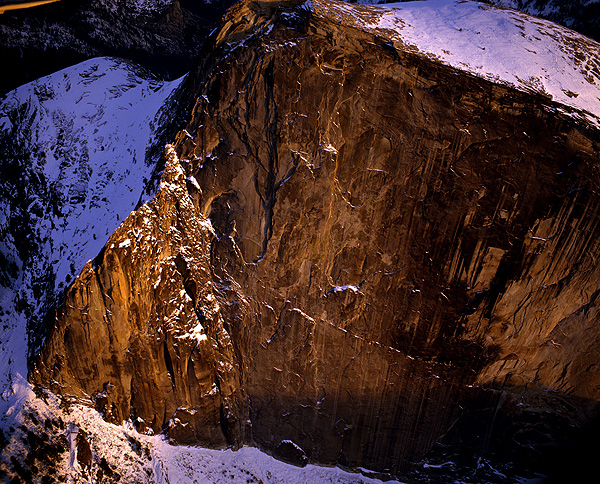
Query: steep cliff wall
x=354, y=248
x=161, y=355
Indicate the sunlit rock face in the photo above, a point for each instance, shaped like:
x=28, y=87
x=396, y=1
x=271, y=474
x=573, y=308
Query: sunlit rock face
x=355, y=249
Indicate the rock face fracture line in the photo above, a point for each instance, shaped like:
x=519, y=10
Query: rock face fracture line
x=271, y=132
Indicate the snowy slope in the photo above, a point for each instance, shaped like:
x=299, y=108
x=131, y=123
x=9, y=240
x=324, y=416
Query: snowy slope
x=246, y=465
x=136, y=458
x=75, y=160
x=498, y=44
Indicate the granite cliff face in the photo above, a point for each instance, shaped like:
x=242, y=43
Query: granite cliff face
x=356, y=254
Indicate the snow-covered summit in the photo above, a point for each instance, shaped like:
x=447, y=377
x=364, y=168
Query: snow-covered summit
x=498, y=44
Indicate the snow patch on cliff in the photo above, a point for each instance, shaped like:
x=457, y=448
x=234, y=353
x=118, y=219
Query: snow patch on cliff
x=498, y=44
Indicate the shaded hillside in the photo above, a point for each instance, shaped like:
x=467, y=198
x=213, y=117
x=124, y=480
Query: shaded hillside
x=580, y=15
x=161, y=35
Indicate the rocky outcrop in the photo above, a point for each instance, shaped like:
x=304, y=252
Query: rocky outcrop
x=162, y=357
x=355, y=251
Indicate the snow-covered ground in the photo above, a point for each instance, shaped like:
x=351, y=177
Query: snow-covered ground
x=121, y=454
x=138, y=458
x=246, y=465
x=502, y=45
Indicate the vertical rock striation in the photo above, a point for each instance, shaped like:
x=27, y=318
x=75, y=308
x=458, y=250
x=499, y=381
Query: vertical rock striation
x=140, y=334
x=349, y=240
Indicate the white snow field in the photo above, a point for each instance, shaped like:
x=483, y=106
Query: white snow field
x=498, y=44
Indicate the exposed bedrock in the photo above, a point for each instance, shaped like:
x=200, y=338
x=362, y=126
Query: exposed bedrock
x=353, y=249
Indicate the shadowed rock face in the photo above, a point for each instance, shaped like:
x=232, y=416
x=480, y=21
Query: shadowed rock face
x=162, y=36
x=353, y=249
x=580, y=15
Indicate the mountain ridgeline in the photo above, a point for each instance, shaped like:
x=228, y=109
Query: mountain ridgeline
x=161, y=35
x=357, y=256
